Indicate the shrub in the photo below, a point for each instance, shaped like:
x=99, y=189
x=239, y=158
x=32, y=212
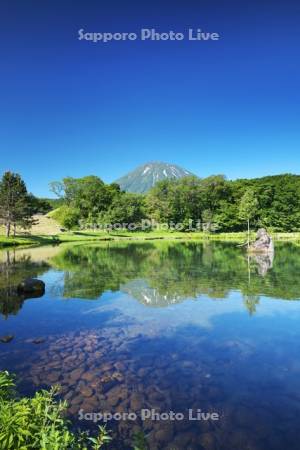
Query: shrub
x=39, y=422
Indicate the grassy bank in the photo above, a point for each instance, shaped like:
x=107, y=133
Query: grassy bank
x=27, y=240
x=88, y=236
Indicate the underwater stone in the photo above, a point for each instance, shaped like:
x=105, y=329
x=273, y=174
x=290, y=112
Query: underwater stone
x=6, y=339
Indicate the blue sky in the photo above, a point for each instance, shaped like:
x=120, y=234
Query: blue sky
x=73, y=108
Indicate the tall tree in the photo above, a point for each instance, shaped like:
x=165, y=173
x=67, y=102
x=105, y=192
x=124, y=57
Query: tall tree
x=85, y=197
x=248, y=209
x=15, y=202
x=127, y=209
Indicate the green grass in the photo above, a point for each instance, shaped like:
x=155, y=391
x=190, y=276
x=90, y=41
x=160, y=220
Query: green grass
x=27, y=240
x=88, y=236
x=145, y=236
x=46, y=231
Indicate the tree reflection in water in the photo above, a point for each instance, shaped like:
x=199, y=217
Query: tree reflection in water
x=157, y=274
x=13, y=270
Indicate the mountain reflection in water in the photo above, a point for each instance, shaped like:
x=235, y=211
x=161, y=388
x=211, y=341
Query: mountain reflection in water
x=172, y=272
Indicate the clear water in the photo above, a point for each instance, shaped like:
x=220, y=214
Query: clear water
x=168, y=326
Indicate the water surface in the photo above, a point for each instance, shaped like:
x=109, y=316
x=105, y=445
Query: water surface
x=165, y=326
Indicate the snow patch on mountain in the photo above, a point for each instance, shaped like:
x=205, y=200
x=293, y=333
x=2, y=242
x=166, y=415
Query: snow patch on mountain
x=146, y=176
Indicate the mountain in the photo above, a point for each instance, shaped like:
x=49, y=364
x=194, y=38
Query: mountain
x=146, y=176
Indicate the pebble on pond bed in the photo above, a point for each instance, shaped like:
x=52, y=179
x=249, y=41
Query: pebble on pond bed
x=6, y=339
x=106, y=371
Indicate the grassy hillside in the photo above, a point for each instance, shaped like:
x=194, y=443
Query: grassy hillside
x=44, y=226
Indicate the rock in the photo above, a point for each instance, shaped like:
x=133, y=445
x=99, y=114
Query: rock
x=81, y=384
x=73, y=410
x=54, y=365
x=88, y=376
x=69, y=360
x=90, y=405
x=155, y=396
x=86, y=391
x=76, y=374
x=136, y=402
x=6, y=339
x=165, y=433
x=53, y=377
x=118, y=376
x=88, y=349
x=80, y=358
x=182, y=425
x=107, y=384
x=182, y=440
x=32, y=287
x=95, y=384
x=123, y=408
x=263, y=243
x=116, y=395
x=142, y=372
x=77, y=400
x=207, y=441
x=113, y=401
x=188, y=365
x=68, y=396
x=120, y=366
x=107, y=367
x=36, y=380
x=38, y=340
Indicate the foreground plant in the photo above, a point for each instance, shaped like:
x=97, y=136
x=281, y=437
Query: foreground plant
x=39, y=422
x=139, y=441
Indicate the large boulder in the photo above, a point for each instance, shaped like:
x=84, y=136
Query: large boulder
x=32, y=287
x=263, y=243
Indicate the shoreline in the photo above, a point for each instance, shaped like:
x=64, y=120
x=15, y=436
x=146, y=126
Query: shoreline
x=81, y=237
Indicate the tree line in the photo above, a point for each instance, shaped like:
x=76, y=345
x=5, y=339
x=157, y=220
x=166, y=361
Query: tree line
x=212, y=204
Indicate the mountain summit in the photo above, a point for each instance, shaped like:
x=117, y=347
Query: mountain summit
x=146, y=176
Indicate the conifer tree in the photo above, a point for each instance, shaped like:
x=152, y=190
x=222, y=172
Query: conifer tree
x=15, y=203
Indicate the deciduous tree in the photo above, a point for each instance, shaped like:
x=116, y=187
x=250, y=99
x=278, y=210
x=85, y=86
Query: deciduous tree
x=248, y=208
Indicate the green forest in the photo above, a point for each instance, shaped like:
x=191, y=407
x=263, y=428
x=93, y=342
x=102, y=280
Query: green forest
x=212, y=204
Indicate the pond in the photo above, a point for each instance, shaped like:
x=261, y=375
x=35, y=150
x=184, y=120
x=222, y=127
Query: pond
x=149, y=328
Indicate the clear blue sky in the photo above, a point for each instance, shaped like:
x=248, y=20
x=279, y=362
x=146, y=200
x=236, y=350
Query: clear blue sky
x=73, y=108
